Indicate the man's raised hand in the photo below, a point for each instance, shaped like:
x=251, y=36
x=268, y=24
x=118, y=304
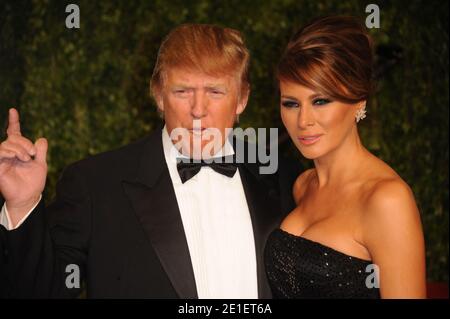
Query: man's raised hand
x=23, y=169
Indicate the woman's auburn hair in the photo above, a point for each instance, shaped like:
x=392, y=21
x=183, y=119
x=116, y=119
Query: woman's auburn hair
x=332, y=55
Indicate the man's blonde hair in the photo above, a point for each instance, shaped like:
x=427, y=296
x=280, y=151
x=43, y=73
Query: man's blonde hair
x=210, y=49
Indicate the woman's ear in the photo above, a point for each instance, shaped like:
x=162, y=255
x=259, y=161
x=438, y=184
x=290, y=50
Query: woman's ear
x=362, y=104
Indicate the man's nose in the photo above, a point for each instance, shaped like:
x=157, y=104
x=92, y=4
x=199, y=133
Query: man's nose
x=199, y=105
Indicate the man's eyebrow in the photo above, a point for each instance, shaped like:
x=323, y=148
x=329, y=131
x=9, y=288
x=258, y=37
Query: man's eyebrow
x=208, y=86
x=181, y=86
x=216, y=86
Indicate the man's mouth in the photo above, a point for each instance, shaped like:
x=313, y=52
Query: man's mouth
x=198, y=130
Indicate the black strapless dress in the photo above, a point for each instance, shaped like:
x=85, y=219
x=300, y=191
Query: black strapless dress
x=301, y=268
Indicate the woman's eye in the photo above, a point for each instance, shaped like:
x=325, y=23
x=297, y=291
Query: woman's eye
x=289, y=104
x=321, y=101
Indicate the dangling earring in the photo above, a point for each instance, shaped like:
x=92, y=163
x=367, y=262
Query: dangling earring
x=237, y=119
x=361, y=113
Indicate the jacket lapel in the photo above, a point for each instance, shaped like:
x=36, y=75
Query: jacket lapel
x=153, y=198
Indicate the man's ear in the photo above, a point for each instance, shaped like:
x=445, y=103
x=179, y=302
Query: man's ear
x=157, y=95
x=243, y=100
x=160, y=104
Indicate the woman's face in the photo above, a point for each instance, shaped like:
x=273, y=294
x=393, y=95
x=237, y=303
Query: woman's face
x=316, y=124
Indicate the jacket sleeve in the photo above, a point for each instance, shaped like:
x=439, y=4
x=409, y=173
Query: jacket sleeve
x=46, y=256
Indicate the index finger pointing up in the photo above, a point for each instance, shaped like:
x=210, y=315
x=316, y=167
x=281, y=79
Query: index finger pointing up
x=13, y=123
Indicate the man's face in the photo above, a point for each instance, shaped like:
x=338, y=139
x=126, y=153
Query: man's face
x=210, y=101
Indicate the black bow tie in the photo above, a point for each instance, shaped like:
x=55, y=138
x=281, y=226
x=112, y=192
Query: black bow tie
x=187, y=170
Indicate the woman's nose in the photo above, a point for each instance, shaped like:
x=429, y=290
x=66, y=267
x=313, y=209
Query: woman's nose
x=305, y=117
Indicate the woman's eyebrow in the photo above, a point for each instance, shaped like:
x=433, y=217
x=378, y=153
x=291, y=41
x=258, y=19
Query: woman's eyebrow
x=315, y=95
x=289, y=97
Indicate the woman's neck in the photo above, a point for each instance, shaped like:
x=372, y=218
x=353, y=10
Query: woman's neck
x=341, y=164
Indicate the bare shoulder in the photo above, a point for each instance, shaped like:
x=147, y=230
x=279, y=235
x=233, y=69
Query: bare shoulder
x=391, y=196
x=391, y=188
x=390, y=208
x=385, y=192
x=392, y=233
x=301, y=183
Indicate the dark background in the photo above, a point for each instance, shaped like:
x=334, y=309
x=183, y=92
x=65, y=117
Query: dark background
x=86, y=90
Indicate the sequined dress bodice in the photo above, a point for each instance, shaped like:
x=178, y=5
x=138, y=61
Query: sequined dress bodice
x=301, y=268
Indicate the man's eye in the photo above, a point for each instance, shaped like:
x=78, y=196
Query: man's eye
x=181, y=92
x=216, y=94
x=289, y=104
x=321, y=101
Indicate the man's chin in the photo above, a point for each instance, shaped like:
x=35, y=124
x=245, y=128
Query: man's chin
x=202, y=149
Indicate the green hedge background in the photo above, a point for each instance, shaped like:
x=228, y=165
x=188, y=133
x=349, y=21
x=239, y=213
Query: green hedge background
x=86, y=90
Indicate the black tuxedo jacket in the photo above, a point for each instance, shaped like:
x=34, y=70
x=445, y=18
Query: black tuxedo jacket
x=116, y=217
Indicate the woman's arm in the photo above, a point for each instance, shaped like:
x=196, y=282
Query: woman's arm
x=392, y=232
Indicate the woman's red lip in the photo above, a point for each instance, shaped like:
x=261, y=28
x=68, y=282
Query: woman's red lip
x=309, y=139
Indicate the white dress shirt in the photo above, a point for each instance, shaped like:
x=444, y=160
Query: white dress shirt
x=5, y=221
x=218, y=228
x=217, y=225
